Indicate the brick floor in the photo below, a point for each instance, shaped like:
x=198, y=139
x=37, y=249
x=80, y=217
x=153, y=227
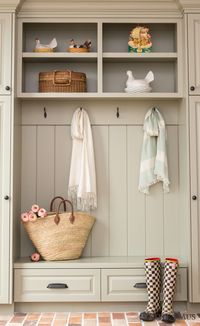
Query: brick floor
x=92, y=319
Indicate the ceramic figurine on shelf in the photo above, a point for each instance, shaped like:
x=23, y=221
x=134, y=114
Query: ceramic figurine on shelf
x=72, y=44
x=85, y=47
x=39, y=47
x=138, y=85
x=87, y=44
x=140, y=40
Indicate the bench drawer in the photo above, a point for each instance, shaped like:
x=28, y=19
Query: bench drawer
x=51, y=285
x=120, y=285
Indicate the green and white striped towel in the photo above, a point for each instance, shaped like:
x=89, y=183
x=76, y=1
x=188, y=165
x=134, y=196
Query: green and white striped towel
x=153, y=166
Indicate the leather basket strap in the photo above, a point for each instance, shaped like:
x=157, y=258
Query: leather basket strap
x=52, y=202
x=71, y=217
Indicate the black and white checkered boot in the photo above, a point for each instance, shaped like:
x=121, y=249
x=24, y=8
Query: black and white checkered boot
x=169, y=284
x=153, y=269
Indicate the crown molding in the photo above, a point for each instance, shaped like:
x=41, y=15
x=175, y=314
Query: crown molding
x=100, y=8
x=190, y=5
x=96, y=8
x=10, y=5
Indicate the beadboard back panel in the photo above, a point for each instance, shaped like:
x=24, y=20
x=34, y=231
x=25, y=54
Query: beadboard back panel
x=128, y=223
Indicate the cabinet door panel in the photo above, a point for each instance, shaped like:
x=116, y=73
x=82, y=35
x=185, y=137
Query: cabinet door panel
x=4, y=203
x=5, y=52
x=119, y=285
x=32, y=285
x=194, y=50
x=195, y=201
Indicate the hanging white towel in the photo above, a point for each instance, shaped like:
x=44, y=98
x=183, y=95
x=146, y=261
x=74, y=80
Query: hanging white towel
x=82, y=180
x=153, y=167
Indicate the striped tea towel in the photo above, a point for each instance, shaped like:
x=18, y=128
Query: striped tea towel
x=82, y=180
x=153, y=166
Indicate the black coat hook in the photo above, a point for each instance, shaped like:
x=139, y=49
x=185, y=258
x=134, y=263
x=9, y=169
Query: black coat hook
x=45, y=113
x=117, y=114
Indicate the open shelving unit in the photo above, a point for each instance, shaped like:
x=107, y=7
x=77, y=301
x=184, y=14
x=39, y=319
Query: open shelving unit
x=107, y=62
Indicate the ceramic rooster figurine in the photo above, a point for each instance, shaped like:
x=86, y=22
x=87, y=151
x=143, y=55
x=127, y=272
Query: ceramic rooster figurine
x=45, y=47
x=138, y=85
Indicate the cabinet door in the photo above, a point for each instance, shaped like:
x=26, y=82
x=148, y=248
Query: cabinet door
x=4, y=201
x=5, y=52
x=194, y=50
x=195, y=196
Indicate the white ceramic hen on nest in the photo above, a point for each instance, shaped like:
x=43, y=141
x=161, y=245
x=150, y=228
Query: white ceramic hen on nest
x=138, y=85
x=40, y=47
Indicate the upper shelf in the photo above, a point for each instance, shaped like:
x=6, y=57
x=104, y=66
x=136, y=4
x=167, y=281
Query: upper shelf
x=92, y=56
x=58, y=56
x=99, y=95
x=108, y=61
x=153, y=56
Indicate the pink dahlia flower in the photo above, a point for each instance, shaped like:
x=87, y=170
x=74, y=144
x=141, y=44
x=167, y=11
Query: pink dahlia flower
x=42, y=212
x=35, y=208
x=24, y=217
x=35, y=256
x=32, y=217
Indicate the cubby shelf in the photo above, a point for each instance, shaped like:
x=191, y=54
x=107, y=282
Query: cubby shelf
x=155, y=56
x=107, y=63
x=58, y=57
x=99, y=95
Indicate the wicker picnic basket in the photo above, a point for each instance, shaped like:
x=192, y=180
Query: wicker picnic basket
x=62, y=81
x=60, y=236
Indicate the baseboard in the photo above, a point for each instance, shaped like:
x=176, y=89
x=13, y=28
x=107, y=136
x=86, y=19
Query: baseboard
x=6, y=309
x=88, y=307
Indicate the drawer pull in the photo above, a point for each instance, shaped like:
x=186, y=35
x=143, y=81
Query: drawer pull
x=57, y=286
x=140, y=285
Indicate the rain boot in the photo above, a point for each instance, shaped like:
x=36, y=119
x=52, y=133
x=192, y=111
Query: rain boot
x=153, y=271
x=169, y=284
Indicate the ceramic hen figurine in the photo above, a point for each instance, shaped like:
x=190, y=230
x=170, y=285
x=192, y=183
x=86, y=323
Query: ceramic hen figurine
x=39, y=46
x=138, y=85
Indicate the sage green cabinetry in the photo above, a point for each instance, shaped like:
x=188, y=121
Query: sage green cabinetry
x=193, y=51
x=5, y=156
x=194, y=106
x=5, y=53
x=5, y=141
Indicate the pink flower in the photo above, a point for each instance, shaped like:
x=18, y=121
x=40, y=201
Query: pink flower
x=35, y=256
x=32, y=217
x=35, y=208
x=24, y=217
x=42, y=212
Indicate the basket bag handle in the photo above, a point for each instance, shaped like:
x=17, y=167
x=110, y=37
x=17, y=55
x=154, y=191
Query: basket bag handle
x=64, y=204
x=71, y=218
x=66, y=83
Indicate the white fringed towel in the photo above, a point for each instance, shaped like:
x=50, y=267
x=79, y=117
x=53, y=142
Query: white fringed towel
x=82, y=180
x=153, y=166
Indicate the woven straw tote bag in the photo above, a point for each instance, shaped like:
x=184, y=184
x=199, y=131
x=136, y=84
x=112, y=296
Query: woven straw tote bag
x=60, y=236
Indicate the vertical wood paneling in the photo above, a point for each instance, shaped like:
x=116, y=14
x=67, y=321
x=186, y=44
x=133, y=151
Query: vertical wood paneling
x=118, y=190
x=63, y=145
x=45, y=165
x=100, y=233
x=172, y=218
x=127, y=222
x=154, y=221
x=28, y=182
x=136, y=200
